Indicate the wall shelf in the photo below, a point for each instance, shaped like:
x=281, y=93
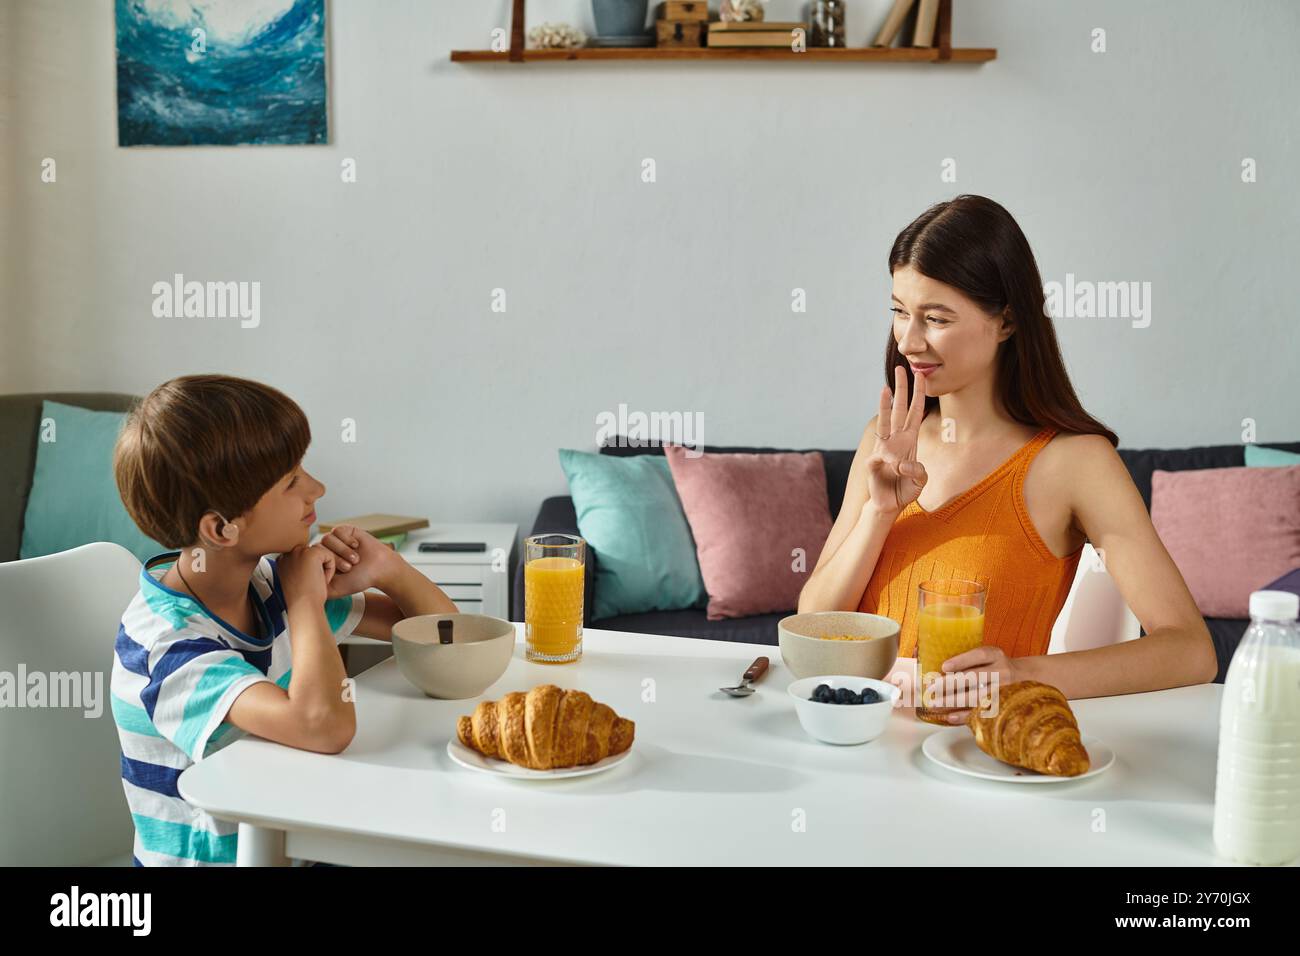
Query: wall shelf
x=942, y=52
x=812, y=54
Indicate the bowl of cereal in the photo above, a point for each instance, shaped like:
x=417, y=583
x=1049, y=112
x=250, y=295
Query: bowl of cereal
x=838, y=642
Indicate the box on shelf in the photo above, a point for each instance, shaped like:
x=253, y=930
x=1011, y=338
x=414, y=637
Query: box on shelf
x=682, y=10
x=680, y=33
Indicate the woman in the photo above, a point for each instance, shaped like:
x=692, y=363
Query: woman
x=942, y=484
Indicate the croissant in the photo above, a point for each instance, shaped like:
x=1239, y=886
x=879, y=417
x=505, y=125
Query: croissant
x=547, y=728
x=1033, y=728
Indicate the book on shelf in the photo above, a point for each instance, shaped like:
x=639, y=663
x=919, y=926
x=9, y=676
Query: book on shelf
x=743, y=40
x=893, y=22
x=754, y=33
x=755, y=26
x=927, y=15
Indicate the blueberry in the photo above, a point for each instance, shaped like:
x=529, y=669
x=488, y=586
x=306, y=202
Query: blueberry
x=820, y=691
x=870, y=695
x=843, y=696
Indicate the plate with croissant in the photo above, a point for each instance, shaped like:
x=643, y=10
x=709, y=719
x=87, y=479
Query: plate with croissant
x=1033, y=738
x=545, y=732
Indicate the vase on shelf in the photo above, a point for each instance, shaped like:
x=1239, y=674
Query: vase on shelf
x=620, y=18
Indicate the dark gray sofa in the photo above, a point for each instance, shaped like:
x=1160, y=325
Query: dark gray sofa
x=558, y=515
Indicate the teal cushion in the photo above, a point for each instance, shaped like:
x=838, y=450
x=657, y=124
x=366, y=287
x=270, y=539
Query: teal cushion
x=74, y=498
x=1257, y=457
x=630, y=515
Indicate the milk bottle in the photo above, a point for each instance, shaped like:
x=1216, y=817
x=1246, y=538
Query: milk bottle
x=1257, y=786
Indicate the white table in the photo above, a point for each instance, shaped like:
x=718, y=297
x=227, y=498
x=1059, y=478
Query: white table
x=711, y=780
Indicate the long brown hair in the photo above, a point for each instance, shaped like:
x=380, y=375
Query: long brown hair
x=972, y=244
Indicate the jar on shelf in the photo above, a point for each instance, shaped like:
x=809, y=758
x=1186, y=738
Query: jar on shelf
x=826, y=23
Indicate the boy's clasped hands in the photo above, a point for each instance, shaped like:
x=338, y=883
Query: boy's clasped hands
x=343, y=562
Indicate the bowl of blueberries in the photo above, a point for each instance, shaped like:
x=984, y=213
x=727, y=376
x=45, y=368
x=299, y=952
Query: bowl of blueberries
x=842, y=709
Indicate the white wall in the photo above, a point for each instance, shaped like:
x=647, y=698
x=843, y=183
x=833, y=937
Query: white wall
x=671, y=296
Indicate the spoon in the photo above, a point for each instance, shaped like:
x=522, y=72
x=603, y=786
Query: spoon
x=755, y=671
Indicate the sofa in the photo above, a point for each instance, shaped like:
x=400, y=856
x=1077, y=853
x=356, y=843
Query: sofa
x=557, y=515
x=20, y=422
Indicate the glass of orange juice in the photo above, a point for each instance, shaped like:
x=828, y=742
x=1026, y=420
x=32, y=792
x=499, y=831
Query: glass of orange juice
x=554, y=565
x=950, y=622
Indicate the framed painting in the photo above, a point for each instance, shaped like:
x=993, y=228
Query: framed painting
x=221, y=72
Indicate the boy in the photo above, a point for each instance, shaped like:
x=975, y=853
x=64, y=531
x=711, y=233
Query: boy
x=222, y=639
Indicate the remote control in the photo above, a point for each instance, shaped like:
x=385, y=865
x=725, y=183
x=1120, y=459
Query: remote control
x=453, y=546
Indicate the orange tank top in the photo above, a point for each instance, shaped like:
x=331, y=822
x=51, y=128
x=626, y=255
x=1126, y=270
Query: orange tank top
x=983, y=534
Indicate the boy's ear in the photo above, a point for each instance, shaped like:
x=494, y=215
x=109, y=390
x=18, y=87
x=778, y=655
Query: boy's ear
x=216, y=531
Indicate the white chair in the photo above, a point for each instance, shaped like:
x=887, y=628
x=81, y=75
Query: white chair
x=1094, y=613
x=61, y=797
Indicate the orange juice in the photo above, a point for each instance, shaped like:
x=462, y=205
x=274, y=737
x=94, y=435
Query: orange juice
x=553, y=609
x=944, y=631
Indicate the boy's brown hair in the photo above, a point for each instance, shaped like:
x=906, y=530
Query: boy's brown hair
x=202, y=443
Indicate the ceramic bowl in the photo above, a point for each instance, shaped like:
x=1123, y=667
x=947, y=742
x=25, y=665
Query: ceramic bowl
x=843, y=723
x=479, y=654
x=805, y=652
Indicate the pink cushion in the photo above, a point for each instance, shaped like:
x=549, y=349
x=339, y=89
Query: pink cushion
x=1230, y=530
x=748, y=513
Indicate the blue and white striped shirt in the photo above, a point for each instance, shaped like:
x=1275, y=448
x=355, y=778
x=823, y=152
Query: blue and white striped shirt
x=177, y=668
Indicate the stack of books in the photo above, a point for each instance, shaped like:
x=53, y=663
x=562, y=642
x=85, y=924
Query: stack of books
x=766, y=33
x=390, y=529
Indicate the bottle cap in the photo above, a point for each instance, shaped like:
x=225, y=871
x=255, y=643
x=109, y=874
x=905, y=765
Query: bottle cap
x=1275, y=605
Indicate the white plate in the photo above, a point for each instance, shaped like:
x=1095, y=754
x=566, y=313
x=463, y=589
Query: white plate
x=955, y=748
x=473, y=760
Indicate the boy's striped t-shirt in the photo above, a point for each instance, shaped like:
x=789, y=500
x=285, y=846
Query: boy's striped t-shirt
x=177, y=668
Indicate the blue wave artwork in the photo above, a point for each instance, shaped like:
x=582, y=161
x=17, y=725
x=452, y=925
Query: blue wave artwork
x=220, y=72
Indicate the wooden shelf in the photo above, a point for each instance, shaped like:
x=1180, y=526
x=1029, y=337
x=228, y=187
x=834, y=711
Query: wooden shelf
x=812, y=54
x=942, y=51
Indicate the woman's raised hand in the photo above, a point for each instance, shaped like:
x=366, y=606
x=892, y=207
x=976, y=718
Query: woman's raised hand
x=894, y=476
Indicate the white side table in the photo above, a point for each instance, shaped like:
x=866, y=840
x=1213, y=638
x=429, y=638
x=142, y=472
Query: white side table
x=478, y=581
